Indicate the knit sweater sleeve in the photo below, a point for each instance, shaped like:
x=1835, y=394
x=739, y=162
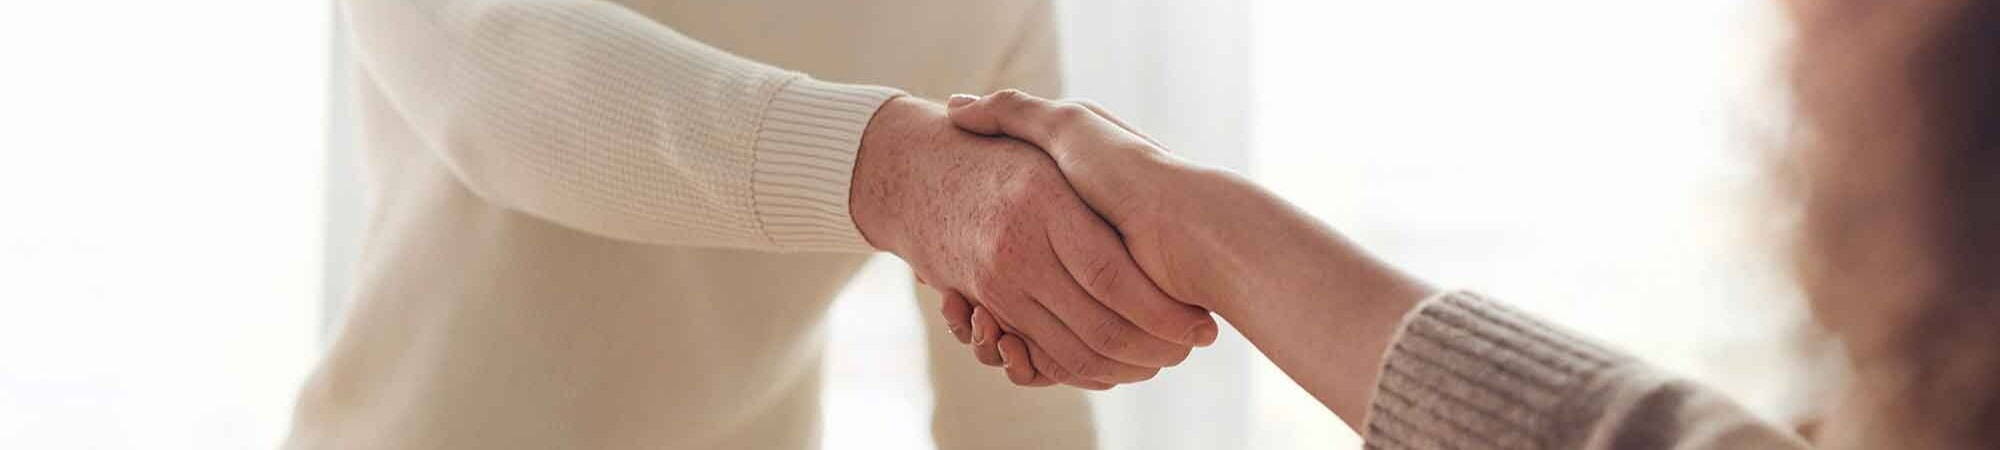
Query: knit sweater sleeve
x=590, y=115
x=1467, y=372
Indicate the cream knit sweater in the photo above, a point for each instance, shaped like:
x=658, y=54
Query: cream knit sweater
x=590, y=115
x=619, y=225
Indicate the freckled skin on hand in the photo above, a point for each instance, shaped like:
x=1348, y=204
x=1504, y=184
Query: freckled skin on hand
x=979, y=216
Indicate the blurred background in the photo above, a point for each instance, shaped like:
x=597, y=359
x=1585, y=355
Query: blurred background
x=179, y=200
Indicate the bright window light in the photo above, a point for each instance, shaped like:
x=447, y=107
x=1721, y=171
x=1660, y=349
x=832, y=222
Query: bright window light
x=1589, y=161
x=159, y=239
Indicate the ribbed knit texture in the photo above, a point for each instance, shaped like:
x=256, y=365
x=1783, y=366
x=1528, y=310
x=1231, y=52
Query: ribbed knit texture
x=592, y=116
x=1470, y=373
x=805, y=159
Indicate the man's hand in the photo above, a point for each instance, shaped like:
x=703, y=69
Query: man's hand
x=1145, y=191
x=991, y=221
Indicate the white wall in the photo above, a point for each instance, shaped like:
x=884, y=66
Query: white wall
x=160, y=165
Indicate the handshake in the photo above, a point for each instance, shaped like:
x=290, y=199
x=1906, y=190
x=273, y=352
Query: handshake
x=1056, y=234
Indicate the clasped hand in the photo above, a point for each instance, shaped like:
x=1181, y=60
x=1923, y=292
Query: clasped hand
x=1122, y=174
x=1032, y=276
x=1035, y=220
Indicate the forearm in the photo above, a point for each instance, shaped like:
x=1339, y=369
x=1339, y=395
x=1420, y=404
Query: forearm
x=590, y=115
x=1463, y=371
x=1315, y=303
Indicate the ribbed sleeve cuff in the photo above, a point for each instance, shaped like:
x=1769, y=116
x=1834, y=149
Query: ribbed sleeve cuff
x=805, y=160
x=1467, y=372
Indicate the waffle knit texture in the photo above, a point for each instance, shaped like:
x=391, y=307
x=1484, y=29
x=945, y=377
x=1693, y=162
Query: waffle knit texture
x=1469, y=373
x=589, y=115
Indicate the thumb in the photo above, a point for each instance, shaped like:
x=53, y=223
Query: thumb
x=1009, y=112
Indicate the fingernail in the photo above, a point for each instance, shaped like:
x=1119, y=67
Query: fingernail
x=958, y=100
x=1203, y=335
x=1004, y=362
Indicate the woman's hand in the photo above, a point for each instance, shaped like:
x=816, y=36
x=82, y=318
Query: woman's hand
x=1317, y=304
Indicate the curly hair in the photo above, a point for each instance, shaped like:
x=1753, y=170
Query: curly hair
x=1900, y=107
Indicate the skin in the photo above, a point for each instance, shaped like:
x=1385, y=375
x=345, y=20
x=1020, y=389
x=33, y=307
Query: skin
x=1318, y=305
x=992, y=220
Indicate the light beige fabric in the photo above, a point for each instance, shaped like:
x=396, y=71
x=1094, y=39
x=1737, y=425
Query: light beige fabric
x=1469, y=373
x=619, y=225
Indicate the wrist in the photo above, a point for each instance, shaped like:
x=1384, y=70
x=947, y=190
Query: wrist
x=1253, y=246
x=883, y=172
x=1131, y=187
x=1185, y=215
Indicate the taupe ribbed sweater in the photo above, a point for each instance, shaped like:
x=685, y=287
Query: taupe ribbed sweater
x=1469, y=373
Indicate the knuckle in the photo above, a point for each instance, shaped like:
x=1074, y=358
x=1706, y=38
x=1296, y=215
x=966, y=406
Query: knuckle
x=1090, y=368
x=1070, y=112
x=1109, y=336
x=1019, y=191
x=1010, y=196
x=1064, y=115
x=995, y=254
x=1010, y=96
x=1100, y=276
x=1085, y=365
x=1048, y=370
x=1058, y=376
x=991, y=245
